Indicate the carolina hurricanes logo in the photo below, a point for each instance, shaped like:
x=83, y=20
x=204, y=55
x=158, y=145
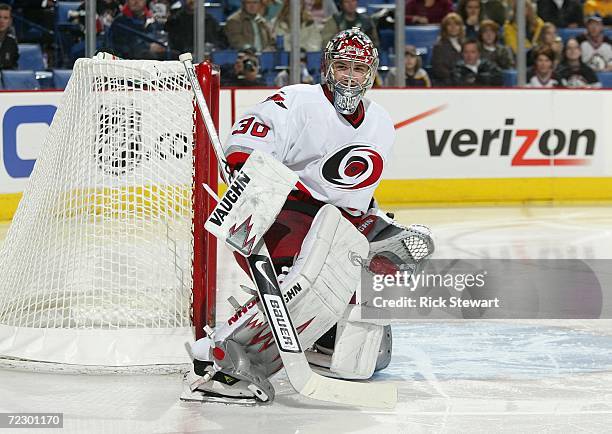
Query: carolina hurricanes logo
x=278, y=99
x=353, y=167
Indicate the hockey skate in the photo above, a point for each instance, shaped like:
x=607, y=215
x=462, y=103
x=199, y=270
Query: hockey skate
x=231, y=379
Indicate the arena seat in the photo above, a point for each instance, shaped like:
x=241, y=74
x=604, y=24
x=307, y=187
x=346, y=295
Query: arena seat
x=224, y=57
x=386, y=37
x=422, y=36
x=269, y=78
x=272, y=60
x=30, y=57
x=65, y=32
x=384, y=59
x=44, y=79
x=62, y=9
x=215, y=10
x=19, y=80
x=510, y=78
x=282, y=58
x=61, y=77
x=569, y=32
x=606, y=79
x=313, y=60
x=267, y=61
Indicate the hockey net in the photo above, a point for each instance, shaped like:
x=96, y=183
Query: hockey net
x=106, y=264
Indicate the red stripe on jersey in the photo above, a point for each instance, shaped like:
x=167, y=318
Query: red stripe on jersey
x=237, y=158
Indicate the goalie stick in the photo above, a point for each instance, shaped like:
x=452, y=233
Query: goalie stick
x=302, y=378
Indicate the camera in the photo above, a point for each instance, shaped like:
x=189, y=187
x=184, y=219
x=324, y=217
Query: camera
x=249, y=65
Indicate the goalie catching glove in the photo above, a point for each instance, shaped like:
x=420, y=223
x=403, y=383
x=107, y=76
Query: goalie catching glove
x=395, y=247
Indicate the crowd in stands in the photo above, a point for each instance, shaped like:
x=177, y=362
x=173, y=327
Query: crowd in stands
x=475, y=43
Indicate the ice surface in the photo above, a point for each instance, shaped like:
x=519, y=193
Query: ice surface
x=503, y=376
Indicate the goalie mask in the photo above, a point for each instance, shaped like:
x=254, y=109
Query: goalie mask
x=348, y=68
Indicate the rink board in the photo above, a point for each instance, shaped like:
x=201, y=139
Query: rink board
x=452, y=145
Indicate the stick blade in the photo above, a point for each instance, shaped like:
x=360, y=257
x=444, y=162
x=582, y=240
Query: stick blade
x=350, y=393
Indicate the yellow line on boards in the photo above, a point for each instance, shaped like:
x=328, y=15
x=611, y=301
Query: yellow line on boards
x=457, y=192
x=8, y=205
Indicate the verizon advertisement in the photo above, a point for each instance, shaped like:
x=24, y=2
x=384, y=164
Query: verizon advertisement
x=499, y=133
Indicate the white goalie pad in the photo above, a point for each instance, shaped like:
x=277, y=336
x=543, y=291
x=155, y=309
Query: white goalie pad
x=356, y=349
x=251, y=203
x=325, y=269
x=317, y=289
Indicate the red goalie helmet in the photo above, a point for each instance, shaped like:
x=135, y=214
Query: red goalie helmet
x=348, y=68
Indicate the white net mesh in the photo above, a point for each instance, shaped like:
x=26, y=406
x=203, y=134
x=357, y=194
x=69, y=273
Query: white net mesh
x=102, y=238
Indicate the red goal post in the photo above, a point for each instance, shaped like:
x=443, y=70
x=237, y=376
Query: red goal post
x=206, y=171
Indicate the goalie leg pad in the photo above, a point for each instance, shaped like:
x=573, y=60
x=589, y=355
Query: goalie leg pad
x=360, y=349
x=317, y=291
x=324, y=267
x=356, y=349
x=385, y=350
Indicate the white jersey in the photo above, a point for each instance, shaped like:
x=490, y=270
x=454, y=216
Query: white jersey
x=339, y=159
x=597, y=56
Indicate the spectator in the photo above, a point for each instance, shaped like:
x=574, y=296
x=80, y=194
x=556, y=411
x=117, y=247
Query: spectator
x=532, y=32
x=416, y=76
x=320, y=10
x=180, y=30
x=491, y=49
x=245, y=71
x=246, y=27
x=310, y=36
x=136, y=16
x=471, y=70
x=603, y=8
x=494, y=10
x=542, y=73
x=572, y=71
x=562, y=13
x=9, y=53
x=447, y=51
x=106, y=11
x=427, y=11
x=348, y=18
x=548, y=38
x=471, y=13
x=596, y=47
